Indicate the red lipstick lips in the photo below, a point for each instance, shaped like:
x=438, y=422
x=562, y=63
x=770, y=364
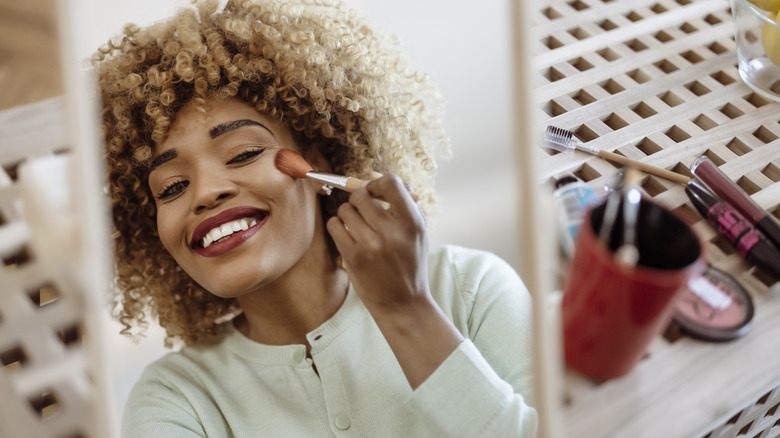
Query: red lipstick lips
x=236, y=237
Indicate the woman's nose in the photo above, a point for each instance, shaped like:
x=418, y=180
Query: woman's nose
x=211, y=190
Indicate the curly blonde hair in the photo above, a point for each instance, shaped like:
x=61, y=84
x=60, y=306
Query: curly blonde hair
x=316, y=66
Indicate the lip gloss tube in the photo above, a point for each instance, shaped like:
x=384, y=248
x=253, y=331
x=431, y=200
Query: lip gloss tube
x=749, y=241
x=722, y=186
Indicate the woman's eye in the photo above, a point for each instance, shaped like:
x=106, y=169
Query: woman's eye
x=246, y=155
x=172, y=189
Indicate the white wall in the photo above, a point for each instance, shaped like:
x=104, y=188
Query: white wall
x=465, y=47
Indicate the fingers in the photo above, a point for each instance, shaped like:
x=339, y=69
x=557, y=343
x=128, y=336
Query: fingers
x=382, y=209
x=356, y=224
x=377, y=175
x=392, y=190
x=339, y=232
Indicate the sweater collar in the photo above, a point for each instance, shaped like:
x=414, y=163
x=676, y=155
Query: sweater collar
x=318, y=338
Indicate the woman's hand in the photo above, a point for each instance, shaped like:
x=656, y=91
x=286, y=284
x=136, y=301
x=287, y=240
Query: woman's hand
x=384, y=247
x=381, y=234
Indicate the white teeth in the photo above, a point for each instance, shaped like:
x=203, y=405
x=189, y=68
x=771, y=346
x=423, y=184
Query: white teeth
x=213, y=235
x=227, y=229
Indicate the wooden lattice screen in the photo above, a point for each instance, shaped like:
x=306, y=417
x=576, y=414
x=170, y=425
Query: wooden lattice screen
x=54, y=275
x=657, y=81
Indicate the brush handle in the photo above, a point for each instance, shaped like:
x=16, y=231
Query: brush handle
x=353, y=184
x=644, y=167
x=346, y=183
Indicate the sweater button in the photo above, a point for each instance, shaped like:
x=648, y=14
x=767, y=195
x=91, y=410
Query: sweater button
x=342, y=422
x=298, y=355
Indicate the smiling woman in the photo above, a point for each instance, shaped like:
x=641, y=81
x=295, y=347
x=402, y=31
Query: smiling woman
x=213, y=175
x=302, y=313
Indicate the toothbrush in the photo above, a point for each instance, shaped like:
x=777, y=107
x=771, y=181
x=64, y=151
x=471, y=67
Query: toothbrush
x=561, y=140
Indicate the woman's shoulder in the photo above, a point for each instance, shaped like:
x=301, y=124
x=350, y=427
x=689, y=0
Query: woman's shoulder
x=456, y=254
x=464, y=266
x=185, y=364
x=460, y=277
x=173, y=391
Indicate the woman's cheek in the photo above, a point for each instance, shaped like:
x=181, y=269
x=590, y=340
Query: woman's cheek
x=164, y=230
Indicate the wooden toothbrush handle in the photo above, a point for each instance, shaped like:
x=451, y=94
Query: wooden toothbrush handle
x=644, y=167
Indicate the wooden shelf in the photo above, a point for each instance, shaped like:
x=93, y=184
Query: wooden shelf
x=657, y=81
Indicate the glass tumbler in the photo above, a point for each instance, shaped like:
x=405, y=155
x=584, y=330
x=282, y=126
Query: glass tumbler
x=757, y=35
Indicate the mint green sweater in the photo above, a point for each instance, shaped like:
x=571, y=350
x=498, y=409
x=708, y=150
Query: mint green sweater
x=240, y=388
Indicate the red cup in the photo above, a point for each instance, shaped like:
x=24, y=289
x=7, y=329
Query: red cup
x=612, y=312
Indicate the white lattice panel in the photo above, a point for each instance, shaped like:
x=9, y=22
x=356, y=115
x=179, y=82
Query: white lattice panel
x=41, y=317
x=54, y=273
x=657, y=81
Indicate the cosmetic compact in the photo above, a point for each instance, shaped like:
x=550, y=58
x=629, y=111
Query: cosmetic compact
x=714, y=307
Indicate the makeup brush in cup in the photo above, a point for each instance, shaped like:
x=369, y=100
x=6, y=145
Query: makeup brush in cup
x=291, y=163
x=627, y=255
x=562, y=140
x=625, y=197
x=611, y=209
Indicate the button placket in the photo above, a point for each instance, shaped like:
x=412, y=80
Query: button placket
x=314, y=337
x=342, y=422
x=298, y=355
x=334, y=391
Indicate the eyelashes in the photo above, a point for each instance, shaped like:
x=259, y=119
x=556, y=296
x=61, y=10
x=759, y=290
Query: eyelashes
x=172, y=189
x=246, y=155
x=176, y=187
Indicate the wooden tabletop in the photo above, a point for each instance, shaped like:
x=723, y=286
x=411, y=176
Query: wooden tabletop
x=657, y=81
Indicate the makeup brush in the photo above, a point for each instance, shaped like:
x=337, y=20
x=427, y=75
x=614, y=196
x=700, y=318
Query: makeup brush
x=627, y=254
x=610, y=215
x=291, y=163
x=562, y=140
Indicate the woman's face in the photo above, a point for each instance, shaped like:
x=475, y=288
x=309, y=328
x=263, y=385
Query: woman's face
x=229, y=218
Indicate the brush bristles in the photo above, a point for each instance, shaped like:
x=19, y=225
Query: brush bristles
x=291, y=163
x=558, y=138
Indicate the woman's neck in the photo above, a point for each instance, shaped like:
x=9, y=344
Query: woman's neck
x=283, y=313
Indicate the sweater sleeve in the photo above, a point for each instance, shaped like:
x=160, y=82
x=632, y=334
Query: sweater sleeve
x=156, y=409
x=482, y=389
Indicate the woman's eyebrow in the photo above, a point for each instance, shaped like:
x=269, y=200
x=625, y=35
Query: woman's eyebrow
x=224, y=128
x=164, y=157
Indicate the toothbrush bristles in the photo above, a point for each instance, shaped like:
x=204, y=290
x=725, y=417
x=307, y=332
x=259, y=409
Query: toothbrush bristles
x=558, y=138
